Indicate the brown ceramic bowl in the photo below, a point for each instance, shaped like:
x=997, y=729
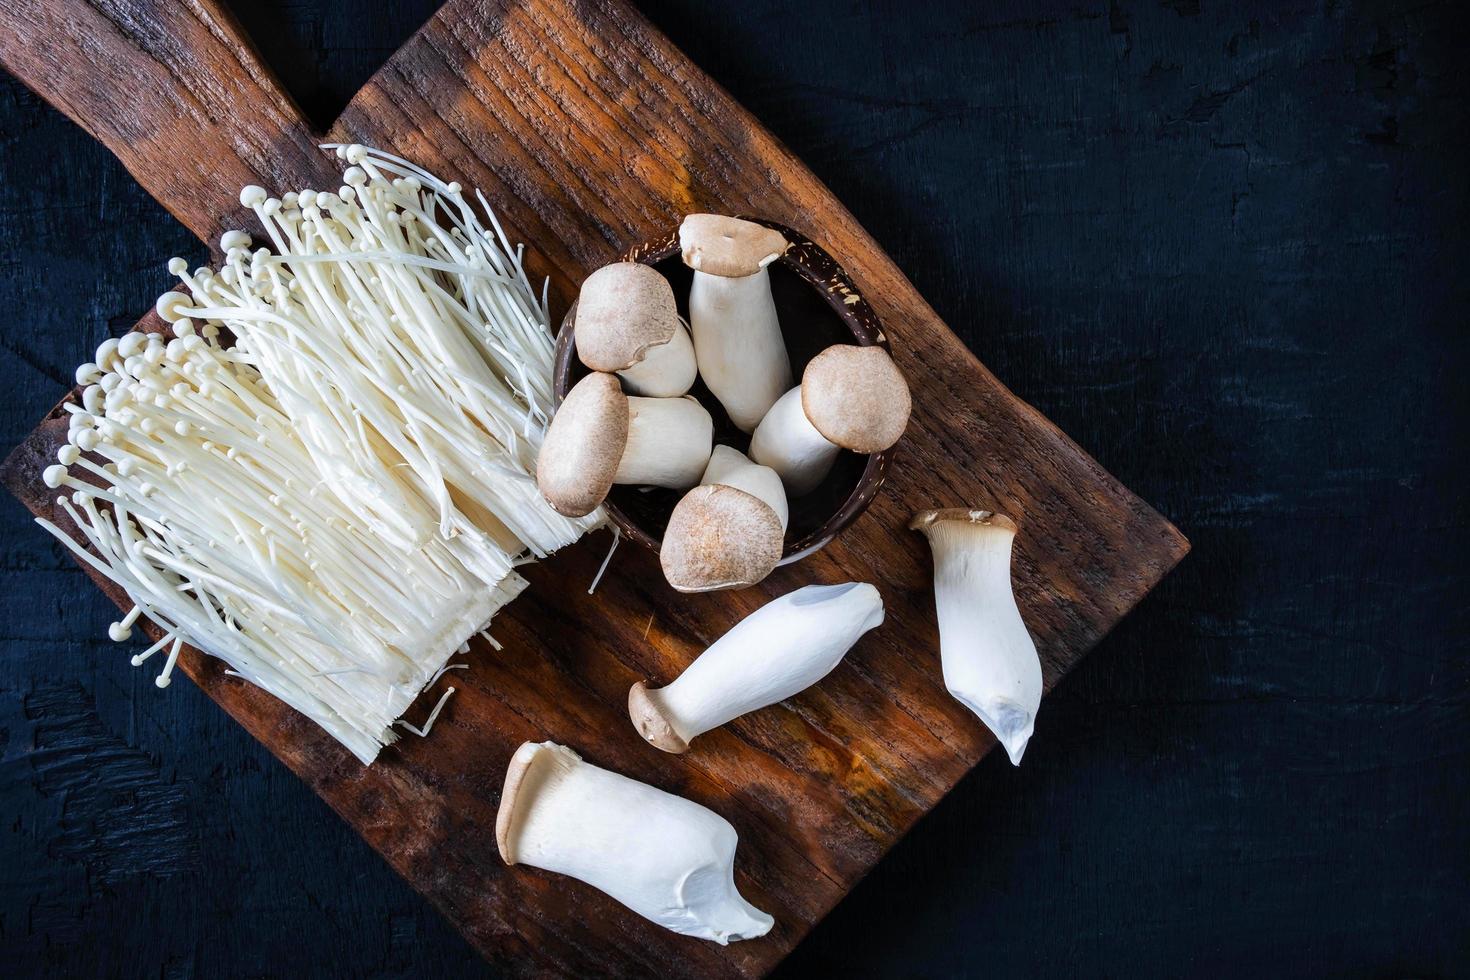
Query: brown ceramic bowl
x=818, y=306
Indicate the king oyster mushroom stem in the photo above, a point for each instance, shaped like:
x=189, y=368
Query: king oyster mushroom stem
x=776, y=652
x=737, y=338
x=849, y=398
x=600, y=436
x=627, y=323
x=989, y=660
x=728, y=532
x=667, y=858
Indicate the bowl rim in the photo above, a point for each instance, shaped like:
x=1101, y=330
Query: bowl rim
x=816, y=266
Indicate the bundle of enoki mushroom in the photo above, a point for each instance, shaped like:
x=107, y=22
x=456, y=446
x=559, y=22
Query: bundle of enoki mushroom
x=334, y=503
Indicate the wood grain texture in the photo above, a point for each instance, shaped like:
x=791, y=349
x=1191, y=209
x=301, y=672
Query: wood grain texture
x=588, y=132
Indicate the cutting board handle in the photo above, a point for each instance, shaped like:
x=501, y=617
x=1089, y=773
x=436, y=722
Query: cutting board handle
x=175, y=90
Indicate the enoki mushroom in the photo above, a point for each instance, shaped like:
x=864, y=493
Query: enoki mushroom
x=335, y=502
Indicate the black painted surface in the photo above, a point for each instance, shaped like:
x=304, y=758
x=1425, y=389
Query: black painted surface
x=1222, y=245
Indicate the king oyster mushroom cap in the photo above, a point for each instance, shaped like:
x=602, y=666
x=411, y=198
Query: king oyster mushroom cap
x=989, y=659
x=849, y=398
x=720, y=537
x=732, y=468
x=583, y=446
x=600, y=436
x=668, y=859
x=668, y=443
x=627, y=323
x=776, y=652
x=737, y=337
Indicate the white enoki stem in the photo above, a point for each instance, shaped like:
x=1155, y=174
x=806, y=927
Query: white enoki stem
x=616, y=538
x=334, y=504
x=428, y=725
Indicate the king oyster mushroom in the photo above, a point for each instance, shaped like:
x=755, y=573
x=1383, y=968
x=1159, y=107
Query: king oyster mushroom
x=667, y=858
x=728, y=532
x=737, y=338
x=600, y=436
x=989, y=660
x=849, y=398
x=776, y=652
x=627, y=323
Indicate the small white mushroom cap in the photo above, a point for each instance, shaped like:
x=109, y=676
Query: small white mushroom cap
x=627, y=323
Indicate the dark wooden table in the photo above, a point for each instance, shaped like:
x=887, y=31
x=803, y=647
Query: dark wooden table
x=1224, y=249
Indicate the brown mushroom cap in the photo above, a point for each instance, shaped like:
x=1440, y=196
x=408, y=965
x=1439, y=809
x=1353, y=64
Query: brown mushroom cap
x=648, y=717
x=720, y=538
x=925, y=519
x=728, y=247
x=583, y=446
x=856, y=397
x=623, y=309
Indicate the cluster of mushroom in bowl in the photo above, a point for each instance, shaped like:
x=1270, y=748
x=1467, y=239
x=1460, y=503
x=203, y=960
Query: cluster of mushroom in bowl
x=633, y=421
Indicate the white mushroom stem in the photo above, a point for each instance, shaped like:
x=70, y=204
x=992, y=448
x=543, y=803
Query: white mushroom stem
x=774, y=653
x=787, y=442
x=668, y=443
x=667, y=858
x=989, y=660
x=732, y=468
x=738, y=343
x=666, y=370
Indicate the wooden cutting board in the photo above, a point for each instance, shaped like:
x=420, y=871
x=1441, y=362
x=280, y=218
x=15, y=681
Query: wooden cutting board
x=588, y=131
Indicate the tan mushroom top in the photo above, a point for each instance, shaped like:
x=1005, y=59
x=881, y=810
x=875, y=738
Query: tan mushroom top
x=623, y=310
x=728, y=247
x=926, y=519
x=645, y=708
x=720, y=538
x=583, y=446
x=856, y=397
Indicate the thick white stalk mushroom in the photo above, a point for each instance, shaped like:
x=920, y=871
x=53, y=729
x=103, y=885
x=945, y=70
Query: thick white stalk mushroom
x=737, y=338
x=989, y=660
x=600, y=436
x=627, y=323
x=776, y=652
x=728, y=532
x=667, y=858
x=849, y=398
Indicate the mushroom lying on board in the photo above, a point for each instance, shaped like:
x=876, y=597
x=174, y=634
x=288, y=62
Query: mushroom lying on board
x=776, y=652
x=667, y=858
x=849, y=398
x=989, y=660
x=600, y=436
x=737, y=338
x=627, y=324
x=728, y=532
